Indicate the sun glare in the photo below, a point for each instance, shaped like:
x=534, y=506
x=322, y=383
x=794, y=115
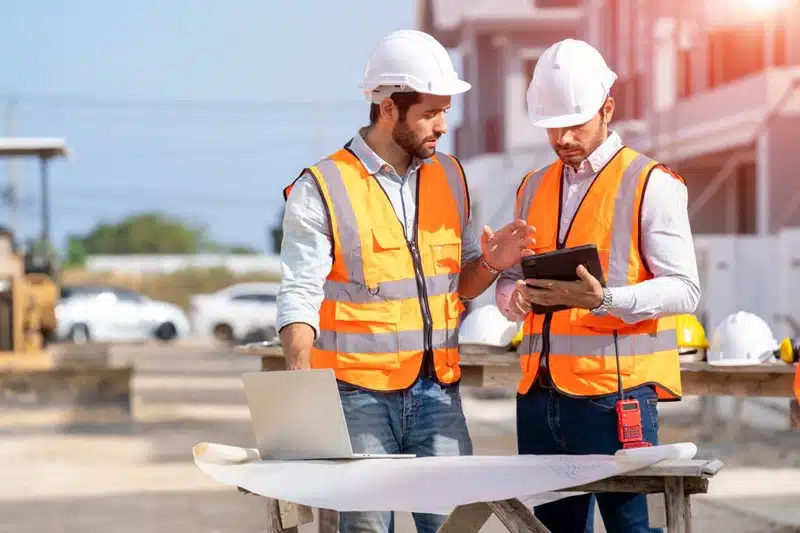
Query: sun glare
x=764, y=7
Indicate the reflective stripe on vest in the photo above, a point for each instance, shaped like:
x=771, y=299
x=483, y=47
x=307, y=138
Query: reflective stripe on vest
x=581, y=355
x=387, y=299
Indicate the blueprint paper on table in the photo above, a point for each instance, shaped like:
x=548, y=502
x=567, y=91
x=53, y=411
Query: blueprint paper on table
x=420, y=484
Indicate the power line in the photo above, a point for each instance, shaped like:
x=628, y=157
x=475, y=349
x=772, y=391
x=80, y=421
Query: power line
x=175, y=104
x=91, y=194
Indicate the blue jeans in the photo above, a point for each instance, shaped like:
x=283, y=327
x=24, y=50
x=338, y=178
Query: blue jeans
x=425, y=420
x=549, y=422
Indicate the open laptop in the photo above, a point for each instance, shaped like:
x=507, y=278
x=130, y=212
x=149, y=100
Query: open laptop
x=297, y=414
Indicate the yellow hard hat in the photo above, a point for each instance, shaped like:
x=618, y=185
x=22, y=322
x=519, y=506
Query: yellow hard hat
x=788, y=351
x=691, y=333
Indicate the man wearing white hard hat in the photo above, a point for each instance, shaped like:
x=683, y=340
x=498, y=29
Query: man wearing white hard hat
x=377, y=256
x=603, y=344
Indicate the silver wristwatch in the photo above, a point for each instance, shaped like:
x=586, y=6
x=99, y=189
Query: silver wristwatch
x=604, y=306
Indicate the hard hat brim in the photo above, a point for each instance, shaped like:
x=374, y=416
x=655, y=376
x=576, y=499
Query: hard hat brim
x=563, y=121
x=453, y=88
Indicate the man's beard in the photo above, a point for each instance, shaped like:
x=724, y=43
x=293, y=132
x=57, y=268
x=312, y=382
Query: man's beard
x=410, y=141
x=574, y=160
x=571, y=160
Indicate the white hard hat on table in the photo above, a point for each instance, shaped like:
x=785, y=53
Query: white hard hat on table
x=570, y=84
x=741, y=339
x=410, y=60
x=486, y=326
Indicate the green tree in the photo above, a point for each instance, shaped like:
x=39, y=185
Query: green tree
x=76, y=252
x=145, y=233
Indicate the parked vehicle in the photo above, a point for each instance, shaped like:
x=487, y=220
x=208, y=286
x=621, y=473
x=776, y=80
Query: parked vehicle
x=106, y=313
x=240, y=313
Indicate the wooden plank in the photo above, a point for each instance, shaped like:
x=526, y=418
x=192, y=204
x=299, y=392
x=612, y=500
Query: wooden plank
x=657, y=509
x=268, y=364
x=764, y=380
x=643, y=485
x=501, y=370
x=517, y=517
x=683, y=468
x=293, y=515
x=274, y=524
x=467, y=518
x=328, y=521
x=676, y=500
x=687, y=513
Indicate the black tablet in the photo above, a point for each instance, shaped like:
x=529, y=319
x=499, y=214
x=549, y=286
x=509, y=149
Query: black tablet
x=561, y=265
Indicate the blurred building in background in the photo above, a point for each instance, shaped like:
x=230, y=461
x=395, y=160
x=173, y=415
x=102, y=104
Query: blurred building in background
x=714, y=87
x=499, y=42
x=710, y=88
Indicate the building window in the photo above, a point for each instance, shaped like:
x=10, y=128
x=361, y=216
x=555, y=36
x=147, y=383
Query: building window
x=628, y=98
x=780, y=46
x=684, y=73
x=734, y=53
x=528, y=66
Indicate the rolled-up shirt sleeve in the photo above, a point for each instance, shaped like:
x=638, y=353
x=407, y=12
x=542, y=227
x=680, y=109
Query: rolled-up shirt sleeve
x=668, y=249
x=504, y=289
x=306, y=255
x=470, y=243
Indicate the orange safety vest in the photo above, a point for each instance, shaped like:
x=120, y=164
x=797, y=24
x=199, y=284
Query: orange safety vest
x=797, y=383
x=389, y=300
x=579, y=345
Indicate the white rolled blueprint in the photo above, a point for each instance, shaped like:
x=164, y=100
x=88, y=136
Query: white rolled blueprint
x=421, y=484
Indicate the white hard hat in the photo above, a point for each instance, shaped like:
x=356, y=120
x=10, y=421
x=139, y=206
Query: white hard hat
x=410, y=60
x=486, y=326
x=570, y=83
x=741, y=339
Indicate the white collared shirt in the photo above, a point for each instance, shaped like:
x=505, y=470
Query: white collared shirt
x=667, y=244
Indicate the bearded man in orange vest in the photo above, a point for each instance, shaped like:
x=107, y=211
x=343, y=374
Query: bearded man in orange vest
x=377, y=256
x=575, y=360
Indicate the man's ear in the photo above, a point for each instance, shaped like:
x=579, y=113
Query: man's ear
x=608, y=110
x=388, y=109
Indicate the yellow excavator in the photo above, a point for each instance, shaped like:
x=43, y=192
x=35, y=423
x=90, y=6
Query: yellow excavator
x=28, y=280
x=74, y=386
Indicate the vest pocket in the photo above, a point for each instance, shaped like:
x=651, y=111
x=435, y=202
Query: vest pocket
x=387, y=259
x=446, y=255
x=367, y=335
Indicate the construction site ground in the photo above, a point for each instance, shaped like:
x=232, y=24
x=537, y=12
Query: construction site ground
x=142, y=478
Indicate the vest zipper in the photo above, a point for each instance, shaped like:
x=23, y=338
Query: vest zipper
x=427, y=319
x=426, y=369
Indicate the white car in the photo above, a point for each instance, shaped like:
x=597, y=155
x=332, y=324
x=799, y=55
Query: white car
x=103, y=313
x=244, y=312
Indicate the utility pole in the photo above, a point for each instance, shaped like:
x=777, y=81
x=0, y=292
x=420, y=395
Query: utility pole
x=14, y=218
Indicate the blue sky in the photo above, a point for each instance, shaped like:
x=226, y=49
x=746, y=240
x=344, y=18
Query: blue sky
x=202, y=109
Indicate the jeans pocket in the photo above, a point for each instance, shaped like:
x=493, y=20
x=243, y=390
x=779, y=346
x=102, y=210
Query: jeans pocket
x=651, y=404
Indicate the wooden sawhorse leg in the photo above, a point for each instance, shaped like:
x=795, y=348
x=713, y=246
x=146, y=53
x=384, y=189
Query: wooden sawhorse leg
x=512, y=513
x=678, y=506
x=283, y=517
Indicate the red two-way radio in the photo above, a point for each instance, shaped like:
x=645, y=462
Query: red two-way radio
x=629, y=424
x=629, y=416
